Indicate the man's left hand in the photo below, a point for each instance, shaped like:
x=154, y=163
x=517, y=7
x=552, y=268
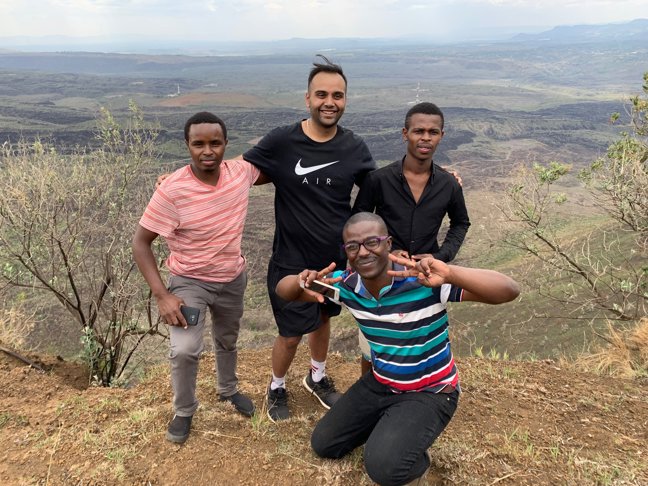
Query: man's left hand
x=429, y=271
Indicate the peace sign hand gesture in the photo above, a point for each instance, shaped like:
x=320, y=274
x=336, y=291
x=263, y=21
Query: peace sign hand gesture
x=429, y=271
x=307, y=277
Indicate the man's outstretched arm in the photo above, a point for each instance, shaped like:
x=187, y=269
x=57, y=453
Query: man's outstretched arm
x=168, y=304
x=479, y=285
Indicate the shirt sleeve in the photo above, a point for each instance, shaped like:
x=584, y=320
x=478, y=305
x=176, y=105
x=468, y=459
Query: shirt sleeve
x=368, y=164
x=251, y=171
x=450, y=293
x=263, y=155
x=161, y=215
x=365, y=201
x=459, y=224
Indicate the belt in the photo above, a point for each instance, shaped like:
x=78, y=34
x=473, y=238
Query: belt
x=447, y=389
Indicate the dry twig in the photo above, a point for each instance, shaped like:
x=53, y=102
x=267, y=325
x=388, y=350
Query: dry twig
x=22, y=358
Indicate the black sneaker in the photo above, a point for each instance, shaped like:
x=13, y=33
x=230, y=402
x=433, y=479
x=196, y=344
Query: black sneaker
x=324, y=390
x=179, y=429
x=278, y=404
x=241, y=403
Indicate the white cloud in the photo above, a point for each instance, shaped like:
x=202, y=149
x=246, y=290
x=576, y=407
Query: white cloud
x=278, y=19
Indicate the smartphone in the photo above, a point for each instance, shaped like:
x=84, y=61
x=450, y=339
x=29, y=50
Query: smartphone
x=190, y=314
x=326, y=290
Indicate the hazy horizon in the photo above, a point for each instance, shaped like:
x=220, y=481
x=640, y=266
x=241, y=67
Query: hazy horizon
x=150, y=24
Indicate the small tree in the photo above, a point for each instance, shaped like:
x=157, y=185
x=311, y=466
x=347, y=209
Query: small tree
x=66, y=224
x=604, y=271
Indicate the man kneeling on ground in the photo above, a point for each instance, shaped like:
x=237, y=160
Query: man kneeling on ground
x=401, y=407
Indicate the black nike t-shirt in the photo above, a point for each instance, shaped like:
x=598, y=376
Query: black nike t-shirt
x=313, y=182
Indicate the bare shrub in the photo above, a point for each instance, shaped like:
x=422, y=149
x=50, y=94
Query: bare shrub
x=66, y=224
x=594, y=253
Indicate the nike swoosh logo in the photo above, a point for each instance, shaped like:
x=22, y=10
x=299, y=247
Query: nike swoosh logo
x=299, y=170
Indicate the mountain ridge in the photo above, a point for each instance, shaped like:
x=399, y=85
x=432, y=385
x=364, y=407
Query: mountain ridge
x=634, y=30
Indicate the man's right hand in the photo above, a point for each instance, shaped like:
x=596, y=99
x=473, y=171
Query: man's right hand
x=161, y=178
x=169, y=310
x=306, y=277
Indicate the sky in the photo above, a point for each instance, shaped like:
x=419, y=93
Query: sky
x=260, y=20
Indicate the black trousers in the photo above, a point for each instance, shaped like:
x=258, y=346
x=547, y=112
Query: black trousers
x=396, y=428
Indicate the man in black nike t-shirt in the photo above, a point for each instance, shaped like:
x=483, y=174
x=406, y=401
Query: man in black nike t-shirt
x=314, y=165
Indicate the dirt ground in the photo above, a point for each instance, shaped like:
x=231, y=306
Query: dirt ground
x=518, y=423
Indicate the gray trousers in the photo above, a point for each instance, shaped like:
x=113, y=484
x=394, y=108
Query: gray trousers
x=225, y=302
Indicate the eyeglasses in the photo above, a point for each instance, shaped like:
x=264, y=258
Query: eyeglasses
x=371, y=243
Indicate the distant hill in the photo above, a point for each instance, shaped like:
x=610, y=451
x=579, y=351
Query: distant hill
x=188, y=47
x=636, y=30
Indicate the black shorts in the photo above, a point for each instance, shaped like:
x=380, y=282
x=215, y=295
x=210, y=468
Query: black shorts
x=295, y=318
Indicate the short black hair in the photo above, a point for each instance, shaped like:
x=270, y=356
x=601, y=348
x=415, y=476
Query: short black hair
x=325, y=67
x=203, y=117
x=425, y=108
x=366, y=216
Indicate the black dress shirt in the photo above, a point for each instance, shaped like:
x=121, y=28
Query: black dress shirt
x=415, y=226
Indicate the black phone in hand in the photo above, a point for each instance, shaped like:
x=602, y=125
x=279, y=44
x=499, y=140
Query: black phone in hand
x=190, y=314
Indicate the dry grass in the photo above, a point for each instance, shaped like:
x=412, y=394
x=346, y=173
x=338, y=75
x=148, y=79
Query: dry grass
x=16, y=325
x=624, y=355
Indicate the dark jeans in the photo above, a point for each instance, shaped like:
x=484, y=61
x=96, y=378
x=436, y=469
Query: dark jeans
x=396, y=428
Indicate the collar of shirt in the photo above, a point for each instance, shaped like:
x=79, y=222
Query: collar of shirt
x=354, y=282
x=398, y=170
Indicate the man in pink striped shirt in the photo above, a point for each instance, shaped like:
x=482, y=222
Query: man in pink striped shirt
x=200, y=211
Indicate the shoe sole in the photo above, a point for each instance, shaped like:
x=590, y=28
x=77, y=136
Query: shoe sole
x=272, y=419
x=312, y=392
x=275, y=420
x=278, y=419
x=176, y=439
x=245, y=412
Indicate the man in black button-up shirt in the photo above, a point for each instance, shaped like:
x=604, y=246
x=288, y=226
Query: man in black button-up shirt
x=413, y=195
